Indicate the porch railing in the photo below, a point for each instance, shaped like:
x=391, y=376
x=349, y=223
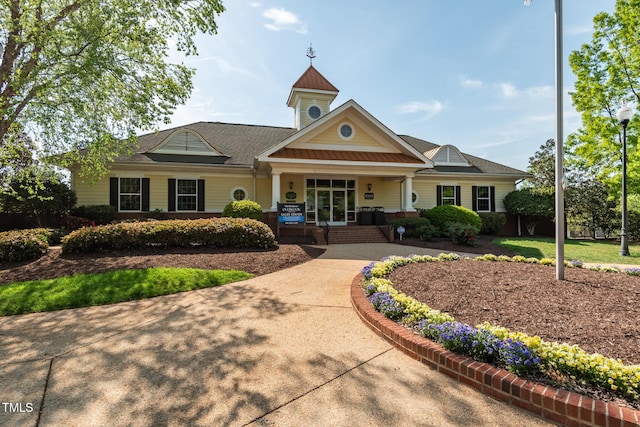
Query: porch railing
x=324, y=224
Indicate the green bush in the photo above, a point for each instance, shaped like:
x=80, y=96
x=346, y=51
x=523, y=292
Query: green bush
x=633, y=225
x=410, y=225
x=99, y=214
x=492, y=222
x=427, y=232
x=440, y=216
x=243, y=209
x=462, y=234
x=23, y=245
x=215, y=232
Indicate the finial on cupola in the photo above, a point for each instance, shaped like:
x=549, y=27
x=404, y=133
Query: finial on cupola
x=311, y=54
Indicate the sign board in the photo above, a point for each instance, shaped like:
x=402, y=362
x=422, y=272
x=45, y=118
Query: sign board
x=401, y=231
x=368, y=196
x=291, y=213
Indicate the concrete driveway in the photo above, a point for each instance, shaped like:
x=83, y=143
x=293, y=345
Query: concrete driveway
x=285, y=349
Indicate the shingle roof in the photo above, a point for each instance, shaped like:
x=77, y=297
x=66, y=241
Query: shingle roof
x=479, y=165
x=312, y=79
x=241, y=143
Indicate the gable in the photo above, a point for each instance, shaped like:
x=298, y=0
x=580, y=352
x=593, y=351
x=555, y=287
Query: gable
x=185, y=142
x=347, y=129
x=447, y=155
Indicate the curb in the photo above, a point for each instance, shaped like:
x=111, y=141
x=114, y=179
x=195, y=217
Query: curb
x=560, y=406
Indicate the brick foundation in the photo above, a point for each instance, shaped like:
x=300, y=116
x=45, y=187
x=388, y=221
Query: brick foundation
x=560, y=406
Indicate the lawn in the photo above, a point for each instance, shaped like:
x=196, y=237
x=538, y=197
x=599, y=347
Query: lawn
x=590, y=251
x=108, y=288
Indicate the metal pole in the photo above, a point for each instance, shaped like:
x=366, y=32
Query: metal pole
x=624, y=243
x=559, y=149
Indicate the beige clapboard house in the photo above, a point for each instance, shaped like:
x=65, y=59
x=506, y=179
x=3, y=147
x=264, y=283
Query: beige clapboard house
x=340, y=161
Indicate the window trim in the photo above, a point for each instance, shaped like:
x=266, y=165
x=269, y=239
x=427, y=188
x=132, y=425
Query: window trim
x=309, y=111
x=353, y=131
x=488, y=198
x=120, y=194
x=234, y=189
x=178, y=195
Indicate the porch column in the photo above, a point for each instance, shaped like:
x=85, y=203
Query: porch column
x=275, y=190
x=408, y=194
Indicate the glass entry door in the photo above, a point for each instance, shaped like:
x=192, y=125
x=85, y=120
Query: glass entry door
x=332, y=201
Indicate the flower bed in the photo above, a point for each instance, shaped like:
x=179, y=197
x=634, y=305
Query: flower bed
x=513, y=351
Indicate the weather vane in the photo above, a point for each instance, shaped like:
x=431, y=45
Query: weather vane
x=311, y=54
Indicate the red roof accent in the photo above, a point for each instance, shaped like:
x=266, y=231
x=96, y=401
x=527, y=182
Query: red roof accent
x=353, y=156
x=312, y=79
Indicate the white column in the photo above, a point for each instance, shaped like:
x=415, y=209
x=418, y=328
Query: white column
x=275, y=190
x=408, y=194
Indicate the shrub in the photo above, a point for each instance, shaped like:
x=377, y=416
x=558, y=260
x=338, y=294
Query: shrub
x=99, y=214
x=23, y=245
x=411, y=225
x=462, y=234
x=440, y=216
x=216, y=232
x=492, y=222
x=243, y=209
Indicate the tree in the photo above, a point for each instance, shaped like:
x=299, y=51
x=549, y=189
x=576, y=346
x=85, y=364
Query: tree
x=608, y=74
x=84, y=76
x=531, y=204
x=589, y=205
x=542, y=165
x=33, y=196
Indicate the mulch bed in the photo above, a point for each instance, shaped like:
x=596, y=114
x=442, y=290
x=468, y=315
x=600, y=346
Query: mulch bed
x=55, y=264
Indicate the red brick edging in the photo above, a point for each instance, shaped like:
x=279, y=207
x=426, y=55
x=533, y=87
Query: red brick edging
x=560, y=406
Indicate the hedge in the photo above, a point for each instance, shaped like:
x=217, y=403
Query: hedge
x=216, y=232
x=24, y=245
x=243, y=209
x=440, y=216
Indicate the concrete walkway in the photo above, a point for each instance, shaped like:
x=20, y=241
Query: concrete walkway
x=284, y=349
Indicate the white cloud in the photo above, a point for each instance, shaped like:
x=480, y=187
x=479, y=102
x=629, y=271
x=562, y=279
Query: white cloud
x=428, y=109
x=470, y=83
x=284, y=20
x=509, y=90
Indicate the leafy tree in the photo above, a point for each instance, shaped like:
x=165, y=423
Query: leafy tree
x=589, y=205
x=35, y=197
x=542, y=165
x=531, y=204
x=85, y=75
x=608, y=74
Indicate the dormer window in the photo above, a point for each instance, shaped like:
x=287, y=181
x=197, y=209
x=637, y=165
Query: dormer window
x=186, y=142
x=447, y=155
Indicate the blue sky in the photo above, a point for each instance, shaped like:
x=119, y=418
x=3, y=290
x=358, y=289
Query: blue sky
x=475, y=74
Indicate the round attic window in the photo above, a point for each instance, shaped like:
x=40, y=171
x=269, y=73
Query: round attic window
x=314, y=112
x=346, y=131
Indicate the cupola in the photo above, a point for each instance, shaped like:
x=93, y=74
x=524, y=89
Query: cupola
x=311, y=97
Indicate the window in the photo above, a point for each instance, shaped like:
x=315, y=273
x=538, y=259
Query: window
x=345, y=131
x=483, y=199
x=130, y=194
x=187, y=195
x=238, y=193
x=448, y=195
x=314, y=112
x=414, y=198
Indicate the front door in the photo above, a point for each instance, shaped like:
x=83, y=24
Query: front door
x=332, y=206
x=331, y=201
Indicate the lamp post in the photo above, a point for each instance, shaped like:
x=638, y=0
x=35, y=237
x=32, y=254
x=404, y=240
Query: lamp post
x=559, y=143
x=624, y=115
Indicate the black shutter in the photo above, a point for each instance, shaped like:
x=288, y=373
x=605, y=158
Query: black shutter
x=439, y=195
x=492, y=194
x=113, y=193
x=474, y=198
x=145, y=194
x=458, y=196
x=171, y=206
x=201, y=195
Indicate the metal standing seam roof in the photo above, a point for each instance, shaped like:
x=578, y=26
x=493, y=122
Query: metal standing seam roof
x=313, y=79
x=241, y=143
